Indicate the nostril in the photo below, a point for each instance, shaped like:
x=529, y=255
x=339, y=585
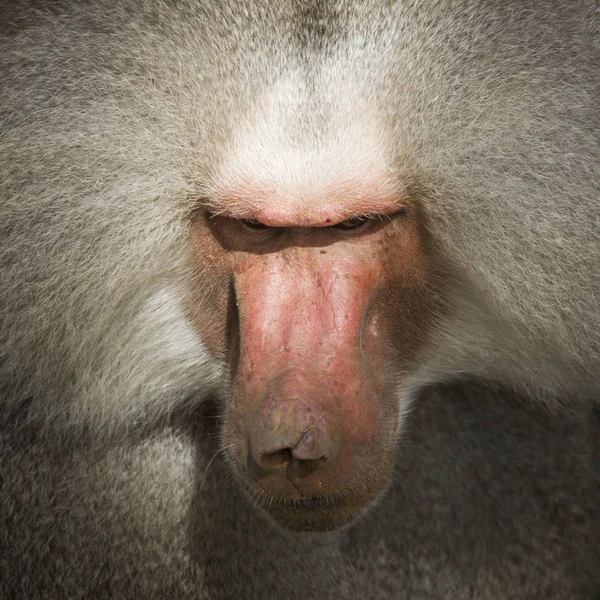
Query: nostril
x=306, y=448
x=285, y=444
x=274, y=461
x=286, y=461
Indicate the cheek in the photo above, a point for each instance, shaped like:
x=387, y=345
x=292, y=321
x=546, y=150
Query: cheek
x=210, y=300
x=400, y=314
x=409, y=323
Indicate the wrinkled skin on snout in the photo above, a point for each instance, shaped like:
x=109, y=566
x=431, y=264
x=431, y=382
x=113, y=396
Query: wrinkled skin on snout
x=318, y=317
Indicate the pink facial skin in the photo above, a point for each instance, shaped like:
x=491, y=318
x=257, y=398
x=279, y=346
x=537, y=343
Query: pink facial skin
x=318, y=315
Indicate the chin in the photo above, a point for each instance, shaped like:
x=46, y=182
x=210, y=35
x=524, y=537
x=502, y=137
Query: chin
x=317, y=513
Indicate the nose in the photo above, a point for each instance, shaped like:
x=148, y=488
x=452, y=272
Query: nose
x=295, y=438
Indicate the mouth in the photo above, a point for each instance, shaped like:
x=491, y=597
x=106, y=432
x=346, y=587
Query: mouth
x=313, y=513
x=320, y=500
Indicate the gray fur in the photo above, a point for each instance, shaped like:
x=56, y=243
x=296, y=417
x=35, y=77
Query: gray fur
x=118, y=118
x=490, y=500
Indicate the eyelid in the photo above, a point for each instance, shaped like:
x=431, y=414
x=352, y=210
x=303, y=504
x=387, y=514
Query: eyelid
x=352, y=223
x=259, y=232
x=254, y=224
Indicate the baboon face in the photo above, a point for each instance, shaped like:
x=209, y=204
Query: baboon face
x=317, y=309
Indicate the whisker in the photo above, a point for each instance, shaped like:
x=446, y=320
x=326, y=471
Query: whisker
x=210, y=463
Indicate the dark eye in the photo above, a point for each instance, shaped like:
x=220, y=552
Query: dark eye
x=254, y=224
x=352, y=223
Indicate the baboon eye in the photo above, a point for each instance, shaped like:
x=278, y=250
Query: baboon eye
x=352, y=223
x=254, y=224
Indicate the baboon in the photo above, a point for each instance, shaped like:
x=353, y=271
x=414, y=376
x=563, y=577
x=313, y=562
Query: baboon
x=299, y=299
